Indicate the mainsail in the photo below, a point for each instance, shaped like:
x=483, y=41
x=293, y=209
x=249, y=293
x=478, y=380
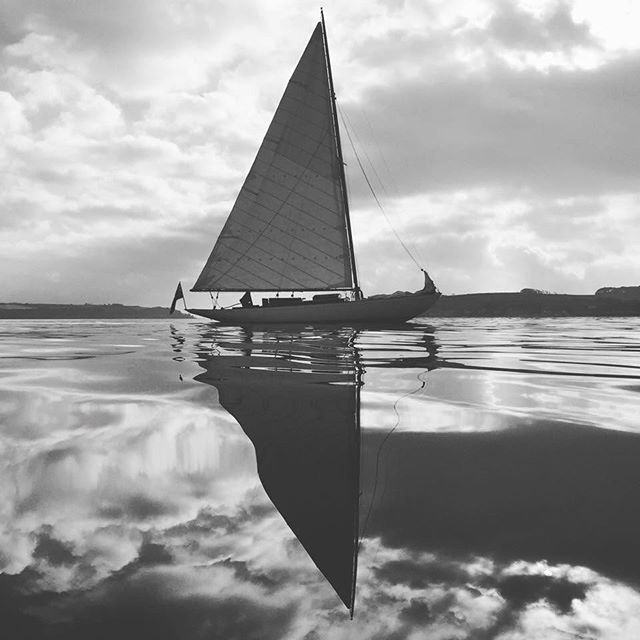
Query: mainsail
x=288, y=227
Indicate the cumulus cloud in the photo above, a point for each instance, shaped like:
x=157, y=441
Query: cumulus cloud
x=556, y=28
x=127, y=132
x=561, y=132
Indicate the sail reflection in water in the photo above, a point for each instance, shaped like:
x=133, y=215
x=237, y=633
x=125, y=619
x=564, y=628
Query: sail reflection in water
x=296, y=396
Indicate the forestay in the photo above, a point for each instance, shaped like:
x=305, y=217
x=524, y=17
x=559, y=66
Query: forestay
x=287, y=229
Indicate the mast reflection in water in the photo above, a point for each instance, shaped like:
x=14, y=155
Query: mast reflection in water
x=297, y=397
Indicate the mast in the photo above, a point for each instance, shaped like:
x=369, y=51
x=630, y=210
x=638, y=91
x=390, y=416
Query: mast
x=343, y=178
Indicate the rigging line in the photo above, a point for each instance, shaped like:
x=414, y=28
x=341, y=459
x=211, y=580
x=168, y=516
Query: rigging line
x=420, y=258
x=396, y=190
x=348, y=187
x=379, y=454
x=364, y=150
x=394, y=185
x=373, y=193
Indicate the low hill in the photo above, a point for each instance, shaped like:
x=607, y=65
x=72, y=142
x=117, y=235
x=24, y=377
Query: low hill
x=532, y=304
x=26, y=310
x=526, y=304
x=621, y=293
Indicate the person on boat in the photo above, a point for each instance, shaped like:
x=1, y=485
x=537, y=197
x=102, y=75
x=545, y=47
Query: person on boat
x=429, y=284
x=246, y=300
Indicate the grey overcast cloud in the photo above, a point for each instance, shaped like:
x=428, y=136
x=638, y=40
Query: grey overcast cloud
x=504, y=136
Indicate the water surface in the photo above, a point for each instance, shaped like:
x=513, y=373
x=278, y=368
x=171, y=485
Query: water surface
x=461, y=479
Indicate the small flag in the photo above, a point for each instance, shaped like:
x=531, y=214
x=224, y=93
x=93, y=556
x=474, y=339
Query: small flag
x=178, y=294
x=429, y=284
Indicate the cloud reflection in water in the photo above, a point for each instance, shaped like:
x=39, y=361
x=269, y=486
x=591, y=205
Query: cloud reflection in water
x=133, y=508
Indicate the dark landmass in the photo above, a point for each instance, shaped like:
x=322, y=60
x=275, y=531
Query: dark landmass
x=528, y=303
x=534, y=304
x=26, y=310
x=620, y=293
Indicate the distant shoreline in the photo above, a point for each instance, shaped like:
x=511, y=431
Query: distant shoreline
x=36, y=311
x=532, y=305
x=471, y=305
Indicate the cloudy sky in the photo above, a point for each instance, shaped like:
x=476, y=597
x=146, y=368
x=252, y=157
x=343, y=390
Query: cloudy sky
x=502, y=135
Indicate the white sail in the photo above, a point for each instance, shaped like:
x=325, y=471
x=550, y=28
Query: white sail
x=287, y=229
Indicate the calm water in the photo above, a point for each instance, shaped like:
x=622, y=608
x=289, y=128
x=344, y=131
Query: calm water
x=462, y=479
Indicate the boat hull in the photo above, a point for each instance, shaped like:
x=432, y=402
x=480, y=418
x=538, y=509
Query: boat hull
x=367, y=311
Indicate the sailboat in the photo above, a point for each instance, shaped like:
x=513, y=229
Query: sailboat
x=289, y=229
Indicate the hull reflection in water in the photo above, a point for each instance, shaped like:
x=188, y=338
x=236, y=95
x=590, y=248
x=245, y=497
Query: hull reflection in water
x=296, y=396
